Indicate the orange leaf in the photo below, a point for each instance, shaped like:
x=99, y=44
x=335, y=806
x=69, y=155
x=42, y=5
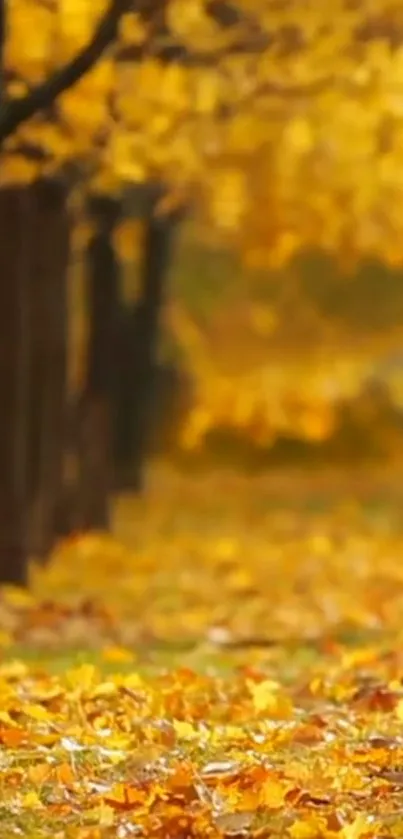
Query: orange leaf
x=13, y=737
x=65, y=774
x=40, y=773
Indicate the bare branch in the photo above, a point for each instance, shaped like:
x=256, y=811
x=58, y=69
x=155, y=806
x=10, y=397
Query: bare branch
x=16, y=111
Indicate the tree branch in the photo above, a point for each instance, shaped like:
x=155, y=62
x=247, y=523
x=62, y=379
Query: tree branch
x=13, y=113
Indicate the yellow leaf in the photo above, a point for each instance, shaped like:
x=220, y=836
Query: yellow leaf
x=37, y=712
x=31, y=800
x=185, y=730
x=39, y=773
x=6, y=719
x=303, y=829
x=266, y=696
x=272, y=794
x=357, y=828
x=103, y=815
x=83, y=677
x=105, y=689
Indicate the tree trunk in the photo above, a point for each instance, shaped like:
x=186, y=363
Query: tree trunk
x=14, y=384
x=94, y=410
x=157, y=256
x=48, y=386
x=33, y=263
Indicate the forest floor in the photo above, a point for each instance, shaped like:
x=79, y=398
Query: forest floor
x=230, y=665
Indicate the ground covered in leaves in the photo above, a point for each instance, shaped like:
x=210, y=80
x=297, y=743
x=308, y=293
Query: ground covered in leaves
x=236, y=670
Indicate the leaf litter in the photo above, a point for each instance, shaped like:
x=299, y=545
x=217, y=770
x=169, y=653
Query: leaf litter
x=240, y=675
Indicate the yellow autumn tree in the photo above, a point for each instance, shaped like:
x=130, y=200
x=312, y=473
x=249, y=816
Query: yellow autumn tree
x=280, y=122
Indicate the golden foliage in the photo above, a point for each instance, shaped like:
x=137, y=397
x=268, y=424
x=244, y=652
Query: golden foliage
x=323, y=399
x=286, y=125
x=239, y=672
x=280, y=369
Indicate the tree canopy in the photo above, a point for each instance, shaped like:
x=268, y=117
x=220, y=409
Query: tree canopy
x=283, y=119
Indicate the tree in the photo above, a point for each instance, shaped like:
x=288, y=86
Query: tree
x=95, y=403
x=230, y=107
x=138, y=357
x=33, y=363
x=225, y=92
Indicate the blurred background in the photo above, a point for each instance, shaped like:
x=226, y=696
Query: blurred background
x=258, y=368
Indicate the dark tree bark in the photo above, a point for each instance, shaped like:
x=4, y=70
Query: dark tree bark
x=124, y=402
x=114, y=410
x=33, y=264
x=33, y=260
x=13, y=484
x=95, y=405
x=49, y=250
x=14, y=385
x=139, y=350
x=169, y=398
